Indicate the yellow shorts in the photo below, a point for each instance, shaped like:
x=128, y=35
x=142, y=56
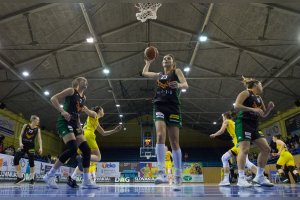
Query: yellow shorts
x=168, y=164
x=235, y=150
x=93, y=167
x=286, y=158
x=91, y=140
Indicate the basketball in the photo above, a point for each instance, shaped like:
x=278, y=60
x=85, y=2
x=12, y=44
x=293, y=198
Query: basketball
x=150, y=53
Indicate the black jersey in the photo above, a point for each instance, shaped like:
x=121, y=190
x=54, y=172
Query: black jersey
x=165, y=94
x=29, y=135
x=253, y=101
x=73, y=105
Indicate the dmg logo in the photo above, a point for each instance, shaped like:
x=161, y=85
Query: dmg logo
x=108, y=165
x=187, y=178
x=122, y=180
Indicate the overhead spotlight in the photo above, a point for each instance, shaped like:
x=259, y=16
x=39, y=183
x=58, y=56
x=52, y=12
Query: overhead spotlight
x=187, y=69
x=25, y=73
x=183, y=90
x=214, y=123
x=46, y=93
x=90, y=40
x=203, y=38
x=233, y=104
x=61, y=106
x=117, y=105
x=106, y=71
x=121, y=116
x=121, y=123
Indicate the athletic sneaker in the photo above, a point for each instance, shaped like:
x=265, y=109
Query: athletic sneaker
x=224, y=183
x=72, y=183
x=262, y=181
x=79, y=160
x=31, y=182
x=20, y=180
x=242, y=182
x=177, y=183
x=50, y=180
x=161, y=178
x=88, y=184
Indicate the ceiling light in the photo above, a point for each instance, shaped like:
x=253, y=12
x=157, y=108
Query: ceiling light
x=233, y=104
x=203, y=38
x=120, y=122
x=25, y=73
x=117, y=105
x=187, y=69
x=46, y=93
x=121, y=115
x=90, y=40
x=61, y=106
x=183, y=90
x=214, y=123
x=106, y=71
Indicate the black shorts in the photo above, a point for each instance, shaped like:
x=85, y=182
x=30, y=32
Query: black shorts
x=168, y=113
x=247, y=130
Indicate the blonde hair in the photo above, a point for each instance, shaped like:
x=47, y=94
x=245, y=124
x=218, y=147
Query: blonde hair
x=76, y=81
x=33, y=117
x=249, y=82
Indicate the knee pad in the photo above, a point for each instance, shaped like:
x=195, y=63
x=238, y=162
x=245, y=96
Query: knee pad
x=226, y=156
x=18, y=156
x=278, y=166
x=291, y=168
x=86, y=154
x=72, y=150
x=31, y=159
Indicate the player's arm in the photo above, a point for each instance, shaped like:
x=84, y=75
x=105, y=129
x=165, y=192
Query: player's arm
x=221, y=131
x=106, y=133
x=268, y=109
x=40, y=141
x=283, y=145
x=57, y=97
x=89, y=112
x=240, y=100
x=146, y=72
x=21, y=135
x=182, y=81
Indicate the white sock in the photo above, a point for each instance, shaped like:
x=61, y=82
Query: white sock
x=52, y=171
x=260, y=171
x=74, y=175
x=177, y=158
x=161, y=156
x=19, y=174
x=31, y=176
x=226, y=176
x=241, y=173
x=86, y=176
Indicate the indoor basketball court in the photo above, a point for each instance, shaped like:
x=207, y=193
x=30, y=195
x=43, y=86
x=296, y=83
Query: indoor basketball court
x=149, y=99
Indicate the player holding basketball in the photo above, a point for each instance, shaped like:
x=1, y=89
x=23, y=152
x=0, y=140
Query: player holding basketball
x=228, y=124
x=167, y=114
x=251, y=107
x=285, y=159
x=26, y=139
x=69, y=129
x=91, y=125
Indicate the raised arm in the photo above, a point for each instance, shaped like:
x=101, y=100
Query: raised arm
x=146, y=72
x=89, y=112
x=106, y=133
x=221, y=131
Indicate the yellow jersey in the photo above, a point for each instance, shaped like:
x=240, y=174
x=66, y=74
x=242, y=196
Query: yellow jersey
x=168, y=155
x=231, y=130
x=278, y=146
x=91, y=124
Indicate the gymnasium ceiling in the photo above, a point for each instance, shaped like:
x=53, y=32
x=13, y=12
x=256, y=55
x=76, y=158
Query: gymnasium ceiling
x=48, y=40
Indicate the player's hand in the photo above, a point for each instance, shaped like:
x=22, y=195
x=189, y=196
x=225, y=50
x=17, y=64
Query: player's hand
x=259, y=111
x=212, y=136
x=174, y=85
x=274, y=154
x=40, y=151
x=118, y=128
x=66, y=115
x=271, y=105
x=21, y=146
x=149, y=61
